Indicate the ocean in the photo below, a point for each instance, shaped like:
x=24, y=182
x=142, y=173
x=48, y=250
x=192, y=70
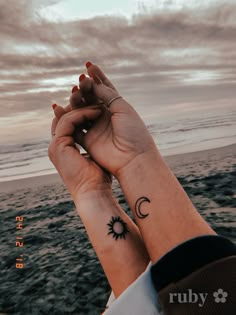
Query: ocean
x=183, y=135
x=61, y=273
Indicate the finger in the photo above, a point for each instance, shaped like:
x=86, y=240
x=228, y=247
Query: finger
x=94, y=69
x=54, y=125
x=68, y=123
x=86, y=87
x=58, y=111
x=67, y=108
x=110, y=97
x=76, y=99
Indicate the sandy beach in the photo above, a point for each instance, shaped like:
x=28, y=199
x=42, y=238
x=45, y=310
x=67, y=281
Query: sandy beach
x=61, y=273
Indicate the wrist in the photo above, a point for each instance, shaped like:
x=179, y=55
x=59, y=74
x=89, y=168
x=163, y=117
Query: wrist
x=94, y=200
x=142, y=164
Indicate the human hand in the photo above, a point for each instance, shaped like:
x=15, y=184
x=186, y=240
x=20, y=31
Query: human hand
x=80, y=174
x=119, y=136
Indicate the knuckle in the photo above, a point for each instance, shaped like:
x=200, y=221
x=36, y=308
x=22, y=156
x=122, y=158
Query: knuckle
x=58, y=143
x=57, y=147
x=61, y=145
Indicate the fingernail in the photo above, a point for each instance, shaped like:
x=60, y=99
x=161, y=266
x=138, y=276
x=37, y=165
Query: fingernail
x=82, y=77
x=96, y=79
x=54, y=106
x=74, y=89
x=88, y=64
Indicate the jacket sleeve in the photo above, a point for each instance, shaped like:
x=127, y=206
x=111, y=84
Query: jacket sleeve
x=197, y=277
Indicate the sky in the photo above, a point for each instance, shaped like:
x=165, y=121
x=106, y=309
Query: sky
x=168, y=58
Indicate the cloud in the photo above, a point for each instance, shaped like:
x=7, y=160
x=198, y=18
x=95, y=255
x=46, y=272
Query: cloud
x=182, y=54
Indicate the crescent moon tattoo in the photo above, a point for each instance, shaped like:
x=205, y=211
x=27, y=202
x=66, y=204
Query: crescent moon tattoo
x=137, y=207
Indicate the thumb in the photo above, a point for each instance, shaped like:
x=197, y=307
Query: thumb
x=58, y=111
x=68, y=123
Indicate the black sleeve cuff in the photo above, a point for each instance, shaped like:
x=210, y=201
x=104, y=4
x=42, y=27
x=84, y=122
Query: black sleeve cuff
x=188, y=257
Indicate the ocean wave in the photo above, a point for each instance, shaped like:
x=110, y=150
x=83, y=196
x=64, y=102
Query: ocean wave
x=28, y=159
x=24, y=147
x=13, y=166
x=16, y=159
x=29, y=173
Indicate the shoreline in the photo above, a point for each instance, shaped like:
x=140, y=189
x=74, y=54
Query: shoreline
x=56, y=240
x=176, y=162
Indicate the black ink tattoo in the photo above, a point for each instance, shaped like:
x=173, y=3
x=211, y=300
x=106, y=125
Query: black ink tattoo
x=118, y=228
x=137, y=207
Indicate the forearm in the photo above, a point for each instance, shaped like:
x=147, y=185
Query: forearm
x=118, y=246
x=164, y=213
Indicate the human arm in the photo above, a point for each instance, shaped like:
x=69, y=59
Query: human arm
x=169, y=216
x=165, y=214
x=124, y=259
x=115, y=238
x=187, y=254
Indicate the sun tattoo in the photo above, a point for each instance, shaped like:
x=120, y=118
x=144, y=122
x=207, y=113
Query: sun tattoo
x=118, y=228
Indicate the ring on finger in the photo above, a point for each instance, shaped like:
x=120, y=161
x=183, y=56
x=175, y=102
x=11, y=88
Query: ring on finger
x=112, y=100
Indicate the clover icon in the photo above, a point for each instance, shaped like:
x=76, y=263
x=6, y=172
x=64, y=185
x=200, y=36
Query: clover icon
x=220, y=296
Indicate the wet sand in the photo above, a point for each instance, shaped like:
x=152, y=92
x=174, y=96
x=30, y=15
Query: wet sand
x=61, y=273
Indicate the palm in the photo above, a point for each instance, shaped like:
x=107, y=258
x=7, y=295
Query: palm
x=115, y=139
